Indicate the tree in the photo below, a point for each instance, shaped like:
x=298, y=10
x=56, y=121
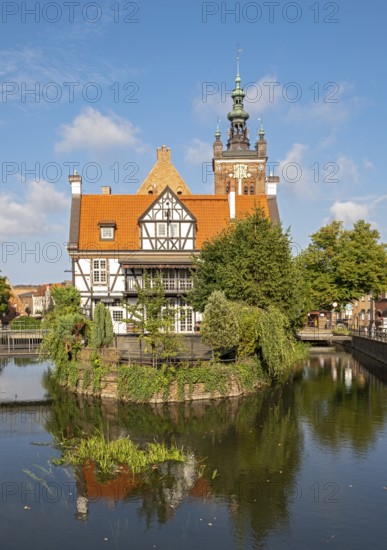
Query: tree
x=102, y=328
x=250, y=261
x=154, y=320
x=5, y=293
x=64, y=337
x=275, y=343
x=66, y=299
x=343, y=264
x=66, y=327
x=247, y=319
x=219, y=328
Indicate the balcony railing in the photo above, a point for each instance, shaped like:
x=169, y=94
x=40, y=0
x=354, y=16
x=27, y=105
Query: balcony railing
x=169, y=285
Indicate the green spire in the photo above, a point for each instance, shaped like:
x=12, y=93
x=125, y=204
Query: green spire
x=238, y=113
x=238, y=136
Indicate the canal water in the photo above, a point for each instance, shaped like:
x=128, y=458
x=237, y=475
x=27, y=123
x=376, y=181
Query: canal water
x=300, y=465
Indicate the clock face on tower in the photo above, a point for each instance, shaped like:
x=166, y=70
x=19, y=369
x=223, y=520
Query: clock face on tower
x=240, y=171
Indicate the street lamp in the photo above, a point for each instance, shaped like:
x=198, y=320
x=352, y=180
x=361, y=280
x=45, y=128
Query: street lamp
x=334, y=305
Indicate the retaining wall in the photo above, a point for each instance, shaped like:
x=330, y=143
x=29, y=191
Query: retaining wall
x=373, y=348
x=109, y=390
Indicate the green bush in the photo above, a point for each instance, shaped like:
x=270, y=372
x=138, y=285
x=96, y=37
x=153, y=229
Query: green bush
x=340, y=331
x=24, y=322
x=141, y=383
x=110, y=455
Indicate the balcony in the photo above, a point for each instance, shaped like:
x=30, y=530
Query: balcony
x=170, y=286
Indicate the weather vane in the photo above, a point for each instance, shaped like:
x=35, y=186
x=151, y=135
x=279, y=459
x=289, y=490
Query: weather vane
x=239, y=50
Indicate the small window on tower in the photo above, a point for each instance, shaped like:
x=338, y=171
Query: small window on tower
x=245, y=190
x=251, y=189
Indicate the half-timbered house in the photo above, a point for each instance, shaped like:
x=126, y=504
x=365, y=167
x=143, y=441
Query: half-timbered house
x=116, y=239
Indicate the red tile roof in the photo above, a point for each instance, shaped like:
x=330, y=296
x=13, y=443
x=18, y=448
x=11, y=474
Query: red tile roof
x=211, y=212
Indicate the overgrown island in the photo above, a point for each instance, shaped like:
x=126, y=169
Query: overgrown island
x=254, y=294
x=248, y=287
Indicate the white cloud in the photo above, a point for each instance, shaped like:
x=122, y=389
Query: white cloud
x=332, y=105
x=198, y=151
x=348, y=171
x=293, y=172
x=262, y=95
x=33, y=213
x=349, y=212
x=47, y=77
x=93, y=131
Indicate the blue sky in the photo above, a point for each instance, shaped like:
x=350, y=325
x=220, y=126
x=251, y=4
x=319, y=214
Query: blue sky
x=115, y=80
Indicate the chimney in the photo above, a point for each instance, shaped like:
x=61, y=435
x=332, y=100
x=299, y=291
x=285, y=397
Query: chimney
x=76, y=183
x=271, y=185
x=231, y=201
x=163, y=153
x=106, y=190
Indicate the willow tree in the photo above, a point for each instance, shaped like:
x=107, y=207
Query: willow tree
x=66, y=327
x=219, y=328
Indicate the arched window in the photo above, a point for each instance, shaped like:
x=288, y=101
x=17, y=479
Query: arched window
x=227, y=189
x=245, y=190
x=150, y=191
x=179, y=191
x=251, y=189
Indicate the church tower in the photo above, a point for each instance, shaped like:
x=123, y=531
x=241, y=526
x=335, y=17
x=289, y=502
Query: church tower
x=238, y=166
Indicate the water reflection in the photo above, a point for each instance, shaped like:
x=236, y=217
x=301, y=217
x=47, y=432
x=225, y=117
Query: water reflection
x=21, y=379
x=337, y=397
x=247, y=459
x=253, y=475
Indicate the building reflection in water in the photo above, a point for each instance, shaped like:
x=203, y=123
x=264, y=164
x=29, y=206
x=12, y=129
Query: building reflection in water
x=162, y=490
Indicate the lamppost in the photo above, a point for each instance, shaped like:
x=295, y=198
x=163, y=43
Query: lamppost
x=334, y=305
x=372, y=315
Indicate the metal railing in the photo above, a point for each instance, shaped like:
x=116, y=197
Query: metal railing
x=168, y=284
x=373, y=334
x=20, y=341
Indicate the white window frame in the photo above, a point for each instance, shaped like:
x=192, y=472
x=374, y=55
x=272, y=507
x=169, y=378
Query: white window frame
x=162, y=229
x=173, y=230
x=107, y=233
x=186, y=319
x=100, y=271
